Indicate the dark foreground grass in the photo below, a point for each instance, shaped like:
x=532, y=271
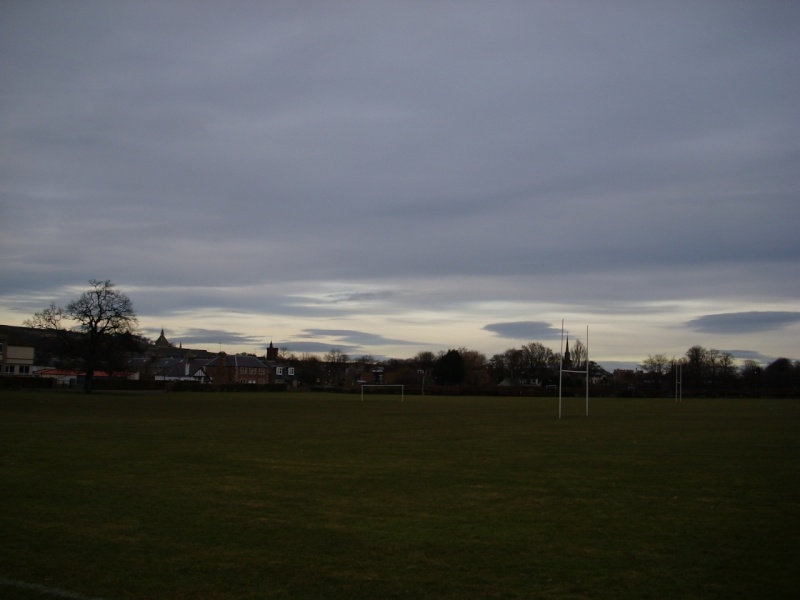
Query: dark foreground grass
x=323, y=496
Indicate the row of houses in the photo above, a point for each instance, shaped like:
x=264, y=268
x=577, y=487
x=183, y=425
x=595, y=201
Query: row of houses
x=163, y=362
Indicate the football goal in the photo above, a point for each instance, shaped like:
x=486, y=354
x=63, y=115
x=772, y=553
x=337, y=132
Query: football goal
x=385, y=385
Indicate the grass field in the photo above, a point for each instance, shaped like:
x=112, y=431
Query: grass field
x=323, y=496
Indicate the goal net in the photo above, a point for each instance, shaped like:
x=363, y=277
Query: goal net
x=395, y=388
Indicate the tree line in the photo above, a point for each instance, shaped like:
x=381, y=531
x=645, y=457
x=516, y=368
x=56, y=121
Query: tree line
x=714, y=372
x=99, y=329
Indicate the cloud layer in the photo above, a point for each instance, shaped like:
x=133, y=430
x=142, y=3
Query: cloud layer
x=746, y=322
x=386, y=175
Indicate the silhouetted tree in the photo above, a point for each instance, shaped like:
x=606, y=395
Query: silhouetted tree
x=475, y=368
x=752, y=376
x=656, y=366
x=104, y=326
x=337, y=364
x=779, y=376
x=450, y=368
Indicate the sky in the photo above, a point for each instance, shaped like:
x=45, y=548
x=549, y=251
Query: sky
x=387, y=178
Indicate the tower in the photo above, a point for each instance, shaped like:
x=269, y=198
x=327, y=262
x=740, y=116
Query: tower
x=162, y=341
x=567, y=359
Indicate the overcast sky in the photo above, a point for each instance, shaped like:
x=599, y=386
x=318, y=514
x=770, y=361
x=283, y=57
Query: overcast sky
x=391, y=177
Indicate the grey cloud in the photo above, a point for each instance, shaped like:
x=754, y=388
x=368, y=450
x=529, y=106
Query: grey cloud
x=302, y=346
x=356, y=338
x=744, y=322
x=209, y=338
x=751, y=355
x=524, y=330
x=362, y=296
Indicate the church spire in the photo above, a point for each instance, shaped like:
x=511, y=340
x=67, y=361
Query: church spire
x=162, y=341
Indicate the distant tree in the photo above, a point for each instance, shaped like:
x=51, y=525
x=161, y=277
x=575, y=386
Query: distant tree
x=537, y=361
x=450, y=368
x=656, y=364
x=656, y=367
x=536, y=356
x=578, y=354
x=779, y=376
x=367, y=360
x=497, y=368
x=695, y=368
x=475, y=367
x=425, y=360
x=752, y=375
x=310, y=369
x=337, y=364
x=104, y=325
x=725, y=371
x=516, y=362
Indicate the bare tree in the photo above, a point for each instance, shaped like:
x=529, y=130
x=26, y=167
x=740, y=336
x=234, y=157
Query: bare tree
x=336, y=361
x=425, y=359
x=656, y=364
x=515, y=362
x=752, y=375
x=103, y=323
x=578, y=354
x=538, y=360
x=536, y=356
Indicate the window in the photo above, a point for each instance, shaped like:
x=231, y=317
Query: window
x=10, y=369
x=243, y=370
x=290, y=371
x=252, y=370
x=278, y=370
x=24, y=370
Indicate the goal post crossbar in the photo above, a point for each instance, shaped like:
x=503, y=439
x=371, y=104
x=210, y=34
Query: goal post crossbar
x=385, y=385
x=562, y=370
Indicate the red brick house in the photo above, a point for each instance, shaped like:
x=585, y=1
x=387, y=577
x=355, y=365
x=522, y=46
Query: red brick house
x=237, y=368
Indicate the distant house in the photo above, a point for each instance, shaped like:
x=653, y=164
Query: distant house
x=175, y=368
x=163, y=348
x=16, y=354
x=279, y=373
x=236, y=368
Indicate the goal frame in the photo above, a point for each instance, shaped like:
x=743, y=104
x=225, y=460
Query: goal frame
x=562, y=370
x=385, y=385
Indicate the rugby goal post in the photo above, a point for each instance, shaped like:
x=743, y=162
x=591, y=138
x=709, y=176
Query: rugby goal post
x=385, y=385
x=562, y=370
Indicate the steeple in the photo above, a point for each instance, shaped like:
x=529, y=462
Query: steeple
x=567, y=359
x=162, y=341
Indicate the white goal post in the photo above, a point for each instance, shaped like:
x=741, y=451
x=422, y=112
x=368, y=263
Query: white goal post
x=562, y=370
x=385, y=385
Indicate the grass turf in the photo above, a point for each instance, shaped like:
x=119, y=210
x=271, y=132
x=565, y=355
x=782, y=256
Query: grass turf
x=322, y=496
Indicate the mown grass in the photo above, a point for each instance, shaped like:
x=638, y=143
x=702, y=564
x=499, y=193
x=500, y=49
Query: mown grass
x=323, y=496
